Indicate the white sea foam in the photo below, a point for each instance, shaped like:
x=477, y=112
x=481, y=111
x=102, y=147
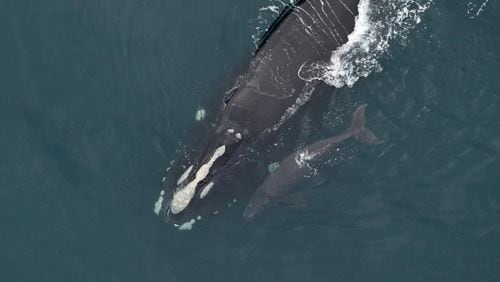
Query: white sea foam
x=303, y=157
x=265, y=18
x=474, y=9
x=272, y=8
x=377, y=27
x=379, y=24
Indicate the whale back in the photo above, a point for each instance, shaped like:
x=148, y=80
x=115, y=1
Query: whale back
x=270, y=91
x=283, y=14
x=304, y=35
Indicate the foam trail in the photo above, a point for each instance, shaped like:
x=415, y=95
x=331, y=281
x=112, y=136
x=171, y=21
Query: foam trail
x=473, y=11
x=265, y=17
x=379, y=24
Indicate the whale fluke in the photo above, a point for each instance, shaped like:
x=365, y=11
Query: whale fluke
x=358, y=129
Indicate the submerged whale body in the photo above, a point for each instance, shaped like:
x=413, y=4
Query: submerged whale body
x=296, y=166
x=269, y=93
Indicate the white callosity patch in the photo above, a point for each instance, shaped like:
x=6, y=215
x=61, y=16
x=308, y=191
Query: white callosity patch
x=158, y=203
x=170, y=165
x=183, y=196
x=187, y=225
x=232, y=131
x=200, y=114
x=206, y=189
x=185, y=175
x=272, y=167
x=230, y=204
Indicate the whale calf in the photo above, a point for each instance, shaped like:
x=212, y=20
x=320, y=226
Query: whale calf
x=296, y=166
x=265, y=97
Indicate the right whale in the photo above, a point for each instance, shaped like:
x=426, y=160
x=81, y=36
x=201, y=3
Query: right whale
x=279, y=80
x=296, y=166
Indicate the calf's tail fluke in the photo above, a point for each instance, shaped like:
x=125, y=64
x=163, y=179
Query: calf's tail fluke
x=358, y=129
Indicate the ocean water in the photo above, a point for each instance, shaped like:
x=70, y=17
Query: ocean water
x=96, y=96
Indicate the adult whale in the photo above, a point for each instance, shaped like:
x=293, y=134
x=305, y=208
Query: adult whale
x=267, y=95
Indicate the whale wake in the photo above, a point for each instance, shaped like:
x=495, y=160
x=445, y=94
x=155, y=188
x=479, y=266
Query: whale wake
x=379, y=25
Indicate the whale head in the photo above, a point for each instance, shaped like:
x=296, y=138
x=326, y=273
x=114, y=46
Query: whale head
x=199, y=186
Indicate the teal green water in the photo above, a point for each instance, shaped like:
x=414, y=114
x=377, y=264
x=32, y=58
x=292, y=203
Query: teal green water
x=95, y=97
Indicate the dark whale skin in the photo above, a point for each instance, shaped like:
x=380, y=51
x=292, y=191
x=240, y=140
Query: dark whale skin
x=306, y=32
x=297, y=165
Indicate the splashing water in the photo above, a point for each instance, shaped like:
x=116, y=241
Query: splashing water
x=378, y=25
x=265, y=18
x=475, y=9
